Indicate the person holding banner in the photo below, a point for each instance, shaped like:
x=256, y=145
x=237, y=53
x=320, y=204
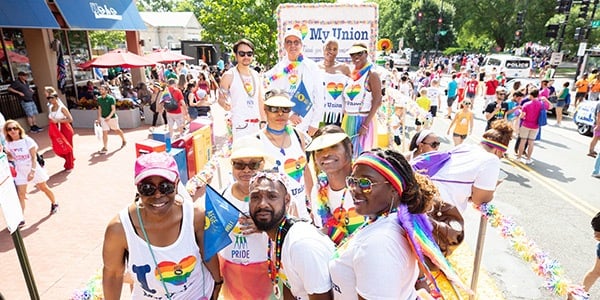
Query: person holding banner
x=60, y=130
x=243, y=263
x=159, y=239
x=301, y=78
x=332, y=202
x=297, y=252
x=362, y=101
x=22, y=151
x=336, y=77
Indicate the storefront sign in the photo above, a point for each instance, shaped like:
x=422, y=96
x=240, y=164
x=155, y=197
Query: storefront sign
x=104, y=12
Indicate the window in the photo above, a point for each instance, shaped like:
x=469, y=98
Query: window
x=13, y=55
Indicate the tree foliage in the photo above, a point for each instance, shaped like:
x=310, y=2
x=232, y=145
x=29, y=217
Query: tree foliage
x=109, y=39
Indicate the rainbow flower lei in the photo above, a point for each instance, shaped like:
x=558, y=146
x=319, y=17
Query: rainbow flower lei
x=541, y=263
x=336, y=230
x=288, y=69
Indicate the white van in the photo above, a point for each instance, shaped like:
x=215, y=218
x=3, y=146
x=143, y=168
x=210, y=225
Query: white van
x=513, y=66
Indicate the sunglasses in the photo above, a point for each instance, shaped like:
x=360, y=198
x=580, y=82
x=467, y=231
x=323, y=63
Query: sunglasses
x=365, y=184
x=12, y=128
x=253, y=165
x=246, y=53
x=467, y=103
x=274, y=109
x=49, y=97
x=149, y=189
x=432, y=144
x=295, y=43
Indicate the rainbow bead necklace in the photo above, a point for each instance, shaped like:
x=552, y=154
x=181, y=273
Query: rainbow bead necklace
x=288, y=69
x=273, y=268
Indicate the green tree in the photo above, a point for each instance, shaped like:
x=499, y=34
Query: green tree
x=425, y=32
x=108, y=39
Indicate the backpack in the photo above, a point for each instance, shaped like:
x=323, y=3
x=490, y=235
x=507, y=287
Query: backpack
x=169, y=102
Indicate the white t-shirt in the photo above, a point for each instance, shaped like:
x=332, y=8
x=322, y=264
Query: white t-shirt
x=395, y=121
x=244, y=249
x=305, y=254
x=433, y=93
x=468, y=166
x=376, y=263
x=19, y=150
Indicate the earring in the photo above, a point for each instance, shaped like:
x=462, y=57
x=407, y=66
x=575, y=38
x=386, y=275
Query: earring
x=178, y=199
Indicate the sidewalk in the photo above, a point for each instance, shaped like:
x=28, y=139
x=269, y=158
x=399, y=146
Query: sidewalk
x=65, y=249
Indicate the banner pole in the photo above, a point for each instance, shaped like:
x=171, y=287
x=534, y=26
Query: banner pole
x=478, y=255
x=25, y=267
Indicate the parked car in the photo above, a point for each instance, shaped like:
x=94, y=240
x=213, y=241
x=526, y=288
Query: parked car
x=585, y=117
x=399, y=62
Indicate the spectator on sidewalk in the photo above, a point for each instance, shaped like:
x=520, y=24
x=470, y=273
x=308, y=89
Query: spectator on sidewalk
x=107, y=117
x=60, y=129
x=25, y=93
x=177, y=116
x=22, y=151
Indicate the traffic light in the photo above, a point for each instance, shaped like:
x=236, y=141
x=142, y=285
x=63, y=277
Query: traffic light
x=520, y=18
x=518, y=35
x=563, y=6
x=419, y=16
x=552, y=30
x=583, y=10
x=579, y=34
x=440, y=21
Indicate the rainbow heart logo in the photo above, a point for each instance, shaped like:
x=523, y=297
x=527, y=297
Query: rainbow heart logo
x=295, y=167
x=293, y=79
x=353, y=91
x=335, y=89
x=303, y=28
x=176, y=273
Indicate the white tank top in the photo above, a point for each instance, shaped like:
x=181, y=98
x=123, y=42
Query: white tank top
x=358, y=99
x=245, y=115
x=244, y=249
x=334, y=96
x=292, y=163
x=184, y=274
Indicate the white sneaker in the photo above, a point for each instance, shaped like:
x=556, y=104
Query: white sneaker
x=596, y=175
x=523, y=160
x=529, y=161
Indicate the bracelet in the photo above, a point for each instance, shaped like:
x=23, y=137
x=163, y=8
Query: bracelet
x=364, y=126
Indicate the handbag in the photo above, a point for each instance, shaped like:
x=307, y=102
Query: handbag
x=448, y=226
x=60, y=145
x=98, y=131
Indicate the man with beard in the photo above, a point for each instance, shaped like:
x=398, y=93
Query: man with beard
x=241, y=92
x=298, y=254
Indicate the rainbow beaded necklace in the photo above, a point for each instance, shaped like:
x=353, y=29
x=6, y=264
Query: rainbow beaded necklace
x=274, y=266
x=288, y=69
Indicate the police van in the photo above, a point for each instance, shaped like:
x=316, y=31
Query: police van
x=513, y=66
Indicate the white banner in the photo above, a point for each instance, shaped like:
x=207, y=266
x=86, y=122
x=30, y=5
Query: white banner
x=9, y=202
x=348, y=23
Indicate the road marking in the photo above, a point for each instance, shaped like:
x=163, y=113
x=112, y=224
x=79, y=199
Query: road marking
x=564, y=194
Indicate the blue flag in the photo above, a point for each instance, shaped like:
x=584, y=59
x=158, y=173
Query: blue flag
x=302, y=101
x=221, y=217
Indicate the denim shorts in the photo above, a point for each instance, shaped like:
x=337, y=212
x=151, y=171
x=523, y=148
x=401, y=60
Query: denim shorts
x=29, y=108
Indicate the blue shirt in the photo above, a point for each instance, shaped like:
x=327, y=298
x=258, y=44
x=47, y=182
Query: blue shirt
x=452, y=88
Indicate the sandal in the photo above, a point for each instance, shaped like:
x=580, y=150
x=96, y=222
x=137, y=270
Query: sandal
x=592, y=154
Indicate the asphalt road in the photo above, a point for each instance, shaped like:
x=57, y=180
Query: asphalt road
x=552, y=200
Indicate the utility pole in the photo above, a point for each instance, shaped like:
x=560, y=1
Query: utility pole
x=564, y=6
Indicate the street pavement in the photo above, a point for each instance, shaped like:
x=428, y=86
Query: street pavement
x=64, y=249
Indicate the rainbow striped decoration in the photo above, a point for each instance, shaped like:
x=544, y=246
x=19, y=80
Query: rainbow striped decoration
x=288, y=69
x=357, y=74
x=494, y=145
x=418, y=230
x=384, y=168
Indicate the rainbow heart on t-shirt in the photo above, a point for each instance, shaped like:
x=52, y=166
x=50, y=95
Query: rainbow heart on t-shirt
x=176, y=273
x=335, y=89
x=303, y=28
x=353, y=91
x=295, y=167
x=293, y=79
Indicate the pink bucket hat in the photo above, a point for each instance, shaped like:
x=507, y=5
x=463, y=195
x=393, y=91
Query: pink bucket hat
x=156, y=164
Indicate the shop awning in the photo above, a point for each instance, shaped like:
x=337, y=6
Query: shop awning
x=26, y=14
x=101, y=14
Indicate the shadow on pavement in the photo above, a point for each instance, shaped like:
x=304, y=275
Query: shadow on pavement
x=6, y=242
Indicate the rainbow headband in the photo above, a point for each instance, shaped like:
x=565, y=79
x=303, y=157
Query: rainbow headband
x=384, y=168
x=494, y=145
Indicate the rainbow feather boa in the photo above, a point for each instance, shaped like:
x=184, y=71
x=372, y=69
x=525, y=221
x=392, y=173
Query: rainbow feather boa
x=418, y=229
x=541, y=263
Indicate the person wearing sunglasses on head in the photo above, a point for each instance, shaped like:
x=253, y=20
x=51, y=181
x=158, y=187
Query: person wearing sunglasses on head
x=422, y=142
x=333, y=206
x=241, y=92
x=301, y=78
x=286, y=145
x=59, y=128
x=22, y=151
x=243, y=263
x=297, y=253
x=362, y=101
x=158, y=239
x=462, y=123
x=392, y=198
